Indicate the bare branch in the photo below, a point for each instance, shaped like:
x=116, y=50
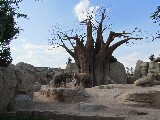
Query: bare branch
x=69, y=41
x=68, y=50
x=113, y=35
x=114, y=46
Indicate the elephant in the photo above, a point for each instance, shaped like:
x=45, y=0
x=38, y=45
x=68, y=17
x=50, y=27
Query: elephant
x=82, y=79
x=59, y=79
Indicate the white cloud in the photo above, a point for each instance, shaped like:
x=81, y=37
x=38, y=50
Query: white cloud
x=29, y=46
x=130, y=59
x=23, y=40
x=83, y=8
x=39, y=55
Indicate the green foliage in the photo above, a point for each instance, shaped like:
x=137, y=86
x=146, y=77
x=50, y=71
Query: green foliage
x=129, y=71
x=5, y=57
x=8, y=28
x=156, y=15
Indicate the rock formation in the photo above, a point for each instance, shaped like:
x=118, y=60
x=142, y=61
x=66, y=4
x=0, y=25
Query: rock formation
x=117, y=73
x=137, y=71
x=15, y=80
x=150, y=74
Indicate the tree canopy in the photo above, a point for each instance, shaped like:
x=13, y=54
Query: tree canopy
x=8, y=28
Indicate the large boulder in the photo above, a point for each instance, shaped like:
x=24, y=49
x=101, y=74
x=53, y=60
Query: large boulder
x=118, y=73
x=25, y=80
x=15, y=80
x=137, y=71
x=20, y=102
x=8, y=84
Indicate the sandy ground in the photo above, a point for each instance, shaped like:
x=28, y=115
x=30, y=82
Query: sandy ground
x=112, y=98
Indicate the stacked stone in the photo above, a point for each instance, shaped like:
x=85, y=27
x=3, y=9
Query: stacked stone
x=144, y=69
x=154, y=68
x=137, y=71
x=150, y=74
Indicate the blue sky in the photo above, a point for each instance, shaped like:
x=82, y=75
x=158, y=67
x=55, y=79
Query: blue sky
x=32, y=45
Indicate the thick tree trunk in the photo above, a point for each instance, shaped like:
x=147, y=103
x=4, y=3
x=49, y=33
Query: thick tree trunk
x=101, y=68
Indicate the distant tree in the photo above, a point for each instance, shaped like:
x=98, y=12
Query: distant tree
x=92, y=56
x=129, y=71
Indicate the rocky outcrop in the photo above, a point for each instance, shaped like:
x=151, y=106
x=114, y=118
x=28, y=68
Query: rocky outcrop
x=25, y=78
x=64, y=94
x=150, y=74
x=15, y=80
x=117, y=73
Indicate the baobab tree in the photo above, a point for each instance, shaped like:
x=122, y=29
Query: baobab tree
x=92, y=56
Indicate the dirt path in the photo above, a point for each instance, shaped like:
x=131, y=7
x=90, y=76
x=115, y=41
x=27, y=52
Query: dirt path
x=111, y=98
